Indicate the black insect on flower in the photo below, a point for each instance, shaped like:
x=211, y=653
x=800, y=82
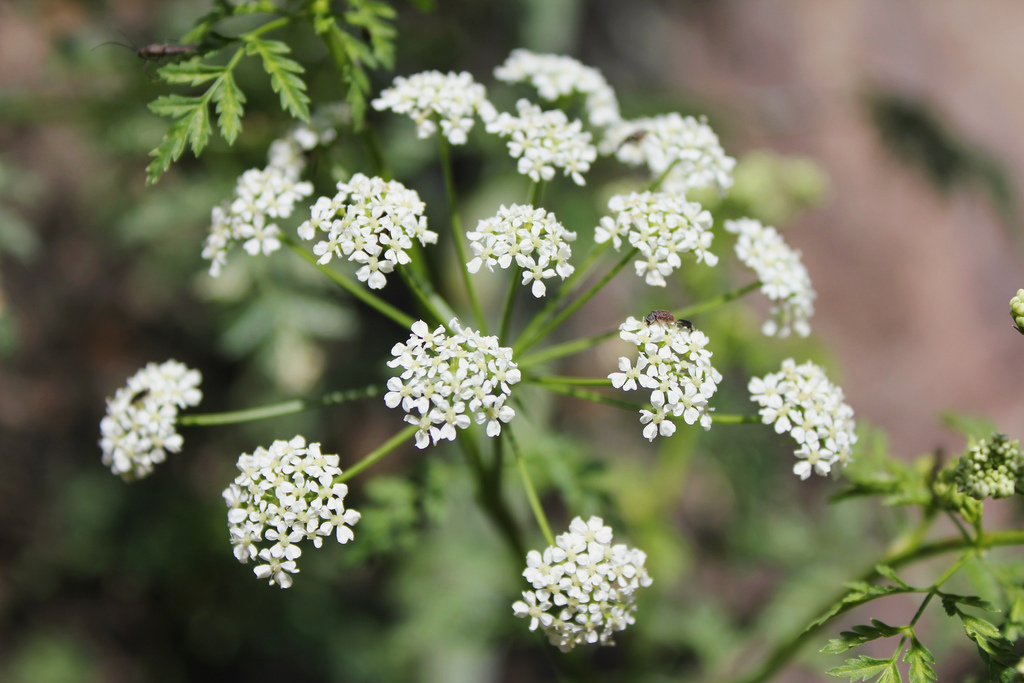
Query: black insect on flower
x=666, y=317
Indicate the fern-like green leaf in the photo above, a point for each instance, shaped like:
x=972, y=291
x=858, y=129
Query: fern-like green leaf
x=192, y=72
x=858, y=594
x=864, y=668
x=888, y=572
x=283, y=75
x=191, y=126
x=860, y=635
x=920, y=659
x=229, y=99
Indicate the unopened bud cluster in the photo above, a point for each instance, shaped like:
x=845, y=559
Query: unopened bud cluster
x=449, y=379
x=371, y=222
x=990, y=468
x=1017, y=310
x=675, y=365
x=284, y=495
x=531, y=237
x=584, y=586
x=139, y=429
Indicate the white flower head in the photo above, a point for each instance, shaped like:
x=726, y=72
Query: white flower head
x=663, y=226
x=543, y=140
x=139, y=429
x=430, y=96
x=264, y=195
x=584, y=586
x=684, y=147
x=285, y=495
x=675, y=366
x=371, y=222
x=529, y=237
x=451, y=379
x=800, y=399
x=784, y=279
x=556, y=76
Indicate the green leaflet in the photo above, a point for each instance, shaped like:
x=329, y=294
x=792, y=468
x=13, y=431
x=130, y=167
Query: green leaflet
x=283, y=72
x=864, y=668
x=860, y=635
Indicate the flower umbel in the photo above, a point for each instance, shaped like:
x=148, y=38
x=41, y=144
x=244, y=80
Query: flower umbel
x=584, y=586
x=284, y=495
x=532, y=237
x=452, y=98
x=784, y=280
x=800, y=400
x=662, y=226
x=684, y=148
x=990, y=468
x=542, y=140
x=371, y=222
x=675, y=366
x=139, y=428
x=556, y=76
x=448, y=379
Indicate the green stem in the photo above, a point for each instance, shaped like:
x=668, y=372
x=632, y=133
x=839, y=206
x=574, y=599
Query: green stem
x=457, y=234
x=525, y=344
x=490, y=499
x=277, y=409
x=705, y=306
x=531, y=492
x=571, y=381
x=428, y=298
x=372, y=457
x=510, y=299
x=653, y=187
x=533, y=196
x=735, y=419
x=592, y=396
x=351, y=287
x=375, y=152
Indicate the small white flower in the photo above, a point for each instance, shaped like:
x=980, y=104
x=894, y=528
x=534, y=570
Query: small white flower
x=675, y=365
x=531, y=237
x=583, y=587
x=800, y=399
x=370, y=222
x=784, y=279
x=448, y=380
x=284, y=495
x=663, y=227
x=452, y=98
x=556, y=76
x=139, y=428
x=685, y=147
x=544, y=140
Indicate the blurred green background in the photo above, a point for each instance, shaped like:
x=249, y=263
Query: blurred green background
x=899, y=185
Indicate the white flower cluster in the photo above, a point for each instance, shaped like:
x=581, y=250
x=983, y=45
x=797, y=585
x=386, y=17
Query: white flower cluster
x=138, y=430
x=675, y=366
x=453, y=98
x=685, y=145
x=784, y=280
x=801, y=400
x=371, y=222
x=264, y=194
x=542, y=140
x=584, y=587
x=557, y=76
x=662, y=226
x=284, y=495
x=447, y=378
x=532, y=237
x=990, y=468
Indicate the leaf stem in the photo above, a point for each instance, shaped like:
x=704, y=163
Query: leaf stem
x=510, y=299
x=531, y=492
x=375, y=455
x=457, y=234
x=277, y=409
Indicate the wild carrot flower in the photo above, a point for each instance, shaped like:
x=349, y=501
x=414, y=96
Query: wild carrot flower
x=800, y=399
x=427, y=97
x=139, y=429
x=584, y=586
x=284, y=495
x=544, y=140
x=784, y=279
x=662, y=226
x=531, y=237
x=371, y=222
x=449, y=379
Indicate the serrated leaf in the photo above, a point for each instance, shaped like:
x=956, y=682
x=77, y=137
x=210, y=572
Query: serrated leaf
x=970, y=601
x=193, y=128
x=858, y=593
x=176, y=106
x=859, y=635
x=864, y=667
x=920, y=659
x=192, y=72
x=888, y=572
x=229, y=99
x=283, y=78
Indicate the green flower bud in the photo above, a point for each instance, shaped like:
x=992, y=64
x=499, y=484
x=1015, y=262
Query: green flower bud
x=990, y=468
x=1017, y=310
